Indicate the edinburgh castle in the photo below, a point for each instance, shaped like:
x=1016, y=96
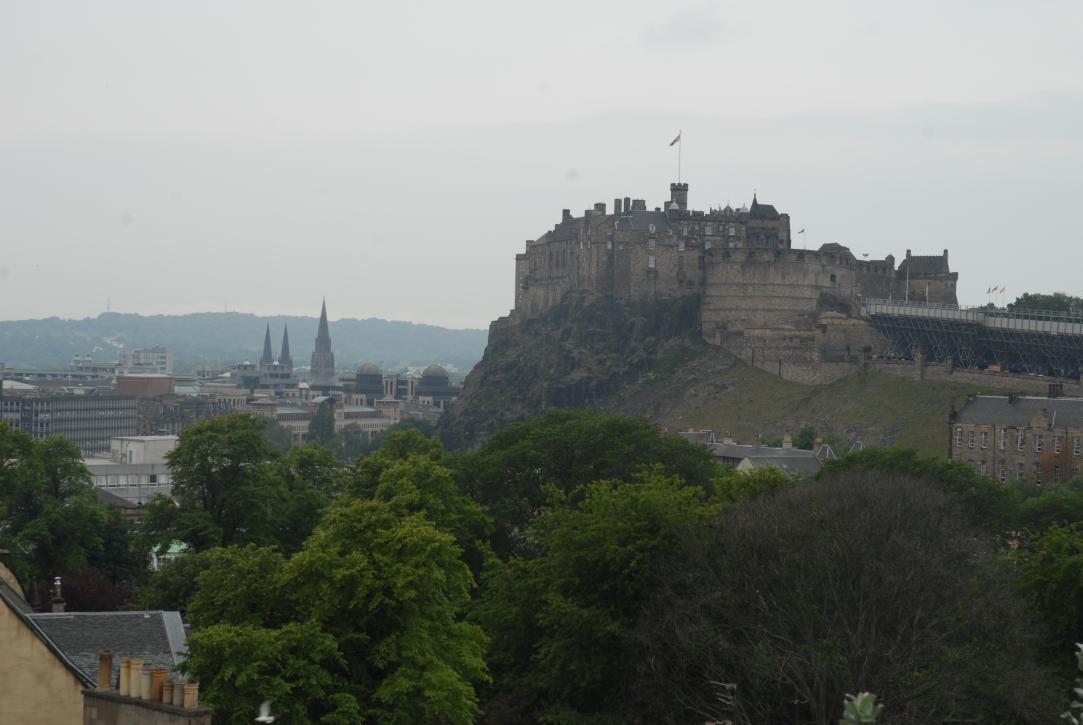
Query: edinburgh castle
x=785, y=309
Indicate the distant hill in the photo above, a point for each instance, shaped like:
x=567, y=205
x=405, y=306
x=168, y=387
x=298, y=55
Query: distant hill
x=225, y=338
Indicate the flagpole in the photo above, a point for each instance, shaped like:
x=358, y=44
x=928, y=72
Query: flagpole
x=680, y=146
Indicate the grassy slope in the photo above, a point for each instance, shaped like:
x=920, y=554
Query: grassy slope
x=698, y=386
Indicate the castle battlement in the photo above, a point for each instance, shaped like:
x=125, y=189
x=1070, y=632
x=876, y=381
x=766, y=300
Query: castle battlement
x=739, y=261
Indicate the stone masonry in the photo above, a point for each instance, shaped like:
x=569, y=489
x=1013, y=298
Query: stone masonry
x=758, y=295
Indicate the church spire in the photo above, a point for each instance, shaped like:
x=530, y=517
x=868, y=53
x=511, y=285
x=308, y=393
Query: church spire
x=323, y=359
x=284, y=357
x=322, y=333
x=268, y=356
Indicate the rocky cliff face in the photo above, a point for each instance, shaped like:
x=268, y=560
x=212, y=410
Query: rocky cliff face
x=578, y=354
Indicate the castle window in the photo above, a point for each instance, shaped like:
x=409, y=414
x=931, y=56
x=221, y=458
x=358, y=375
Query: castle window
x=680, y=265
x=970, y=439
x=708, y=229
x=1021, y=441
x=651, y=228
x=707, y=244
x=1056, y=444
x=609, y=244
x=834, y=279
x=680, y=246
x=985, y=439
x=1039, y=445
x=650, y=261
x=731, y=231
x=651, y=244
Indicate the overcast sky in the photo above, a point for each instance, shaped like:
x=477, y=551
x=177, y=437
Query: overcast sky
x=189, y=156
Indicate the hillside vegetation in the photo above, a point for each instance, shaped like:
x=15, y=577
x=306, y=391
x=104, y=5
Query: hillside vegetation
x=696, y=385
x=225, y=338
x=648, y=359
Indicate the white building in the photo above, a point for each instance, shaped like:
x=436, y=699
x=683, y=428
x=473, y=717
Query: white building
x=154, y=360
x=136, y=469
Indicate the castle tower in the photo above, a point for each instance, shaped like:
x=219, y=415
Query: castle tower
x=678, y=194
x=284, y=358
x=267, y=358
x=323, y=359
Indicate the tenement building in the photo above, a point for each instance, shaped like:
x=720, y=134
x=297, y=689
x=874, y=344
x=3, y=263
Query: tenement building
x=759, y=297
x=1019, y=438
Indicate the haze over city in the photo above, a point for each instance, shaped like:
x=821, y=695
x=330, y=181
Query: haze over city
x=394, y=157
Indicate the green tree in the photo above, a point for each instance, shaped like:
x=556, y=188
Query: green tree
x=567, y=449
x=987, y=502
x=805, y=438
x=561, y=620
x=363, y=624
x=278, y=436
x=350, y=443
x=225, y=486
x=1051, y=577
x=51, y=519
x=321, y=429
x=1056, y=302
x=857, y=581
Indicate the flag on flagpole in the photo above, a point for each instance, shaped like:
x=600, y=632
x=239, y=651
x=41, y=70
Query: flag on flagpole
x=988, y=290
x=676, y=140
x=802, y=231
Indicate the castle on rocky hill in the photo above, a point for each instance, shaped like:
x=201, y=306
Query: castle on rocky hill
x=759, y=297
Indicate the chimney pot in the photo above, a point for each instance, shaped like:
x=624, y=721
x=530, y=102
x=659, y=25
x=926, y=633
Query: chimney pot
x=191, y=696
x=146, y=682
x=124, y=686
x=105, y=669
x=178, y=693
x=135, y=678
x=157, y=681
x=167, y=691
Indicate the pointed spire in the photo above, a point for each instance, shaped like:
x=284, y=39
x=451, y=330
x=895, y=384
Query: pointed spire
x=268, y=356
x=284, y=356
x=323, y=358
x=322, y=333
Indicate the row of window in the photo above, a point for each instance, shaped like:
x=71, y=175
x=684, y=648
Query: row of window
x=1038, y=440
x=1020, y=471
x=132, y=479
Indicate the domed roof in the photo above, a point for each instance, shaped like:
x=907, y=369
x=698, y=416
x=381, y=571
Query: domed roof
x=369, y=369
x=434, y=371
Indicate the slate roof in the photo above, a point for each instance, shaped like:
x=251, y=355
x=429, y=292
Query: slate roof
x=787, y=460
x=640, y=221
x=997, y=410
x=933, y=264
x=155, y=637
x=761, y=211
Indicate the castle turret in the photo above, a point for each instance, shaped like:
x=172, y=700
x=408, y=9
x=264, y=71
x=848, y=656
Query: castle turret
x=678, y=194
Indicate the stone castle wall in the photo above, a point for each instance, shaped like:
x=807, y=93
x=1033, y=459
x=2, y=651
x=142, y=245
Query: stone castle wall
x=740, y=263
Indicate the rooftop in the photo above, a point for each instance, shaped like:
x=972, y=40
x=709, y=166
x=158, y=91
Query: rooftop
x=1018, y=411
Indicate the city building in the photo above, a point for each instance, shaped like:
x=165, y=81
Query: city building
x=270, y=373
x=136, y=469
x=88, y=421
x=153, y=361
x=1020, y=438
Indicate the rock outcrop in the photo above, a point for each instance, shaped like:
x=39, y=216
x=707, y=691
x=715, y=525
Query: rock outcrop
x=579, y=353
